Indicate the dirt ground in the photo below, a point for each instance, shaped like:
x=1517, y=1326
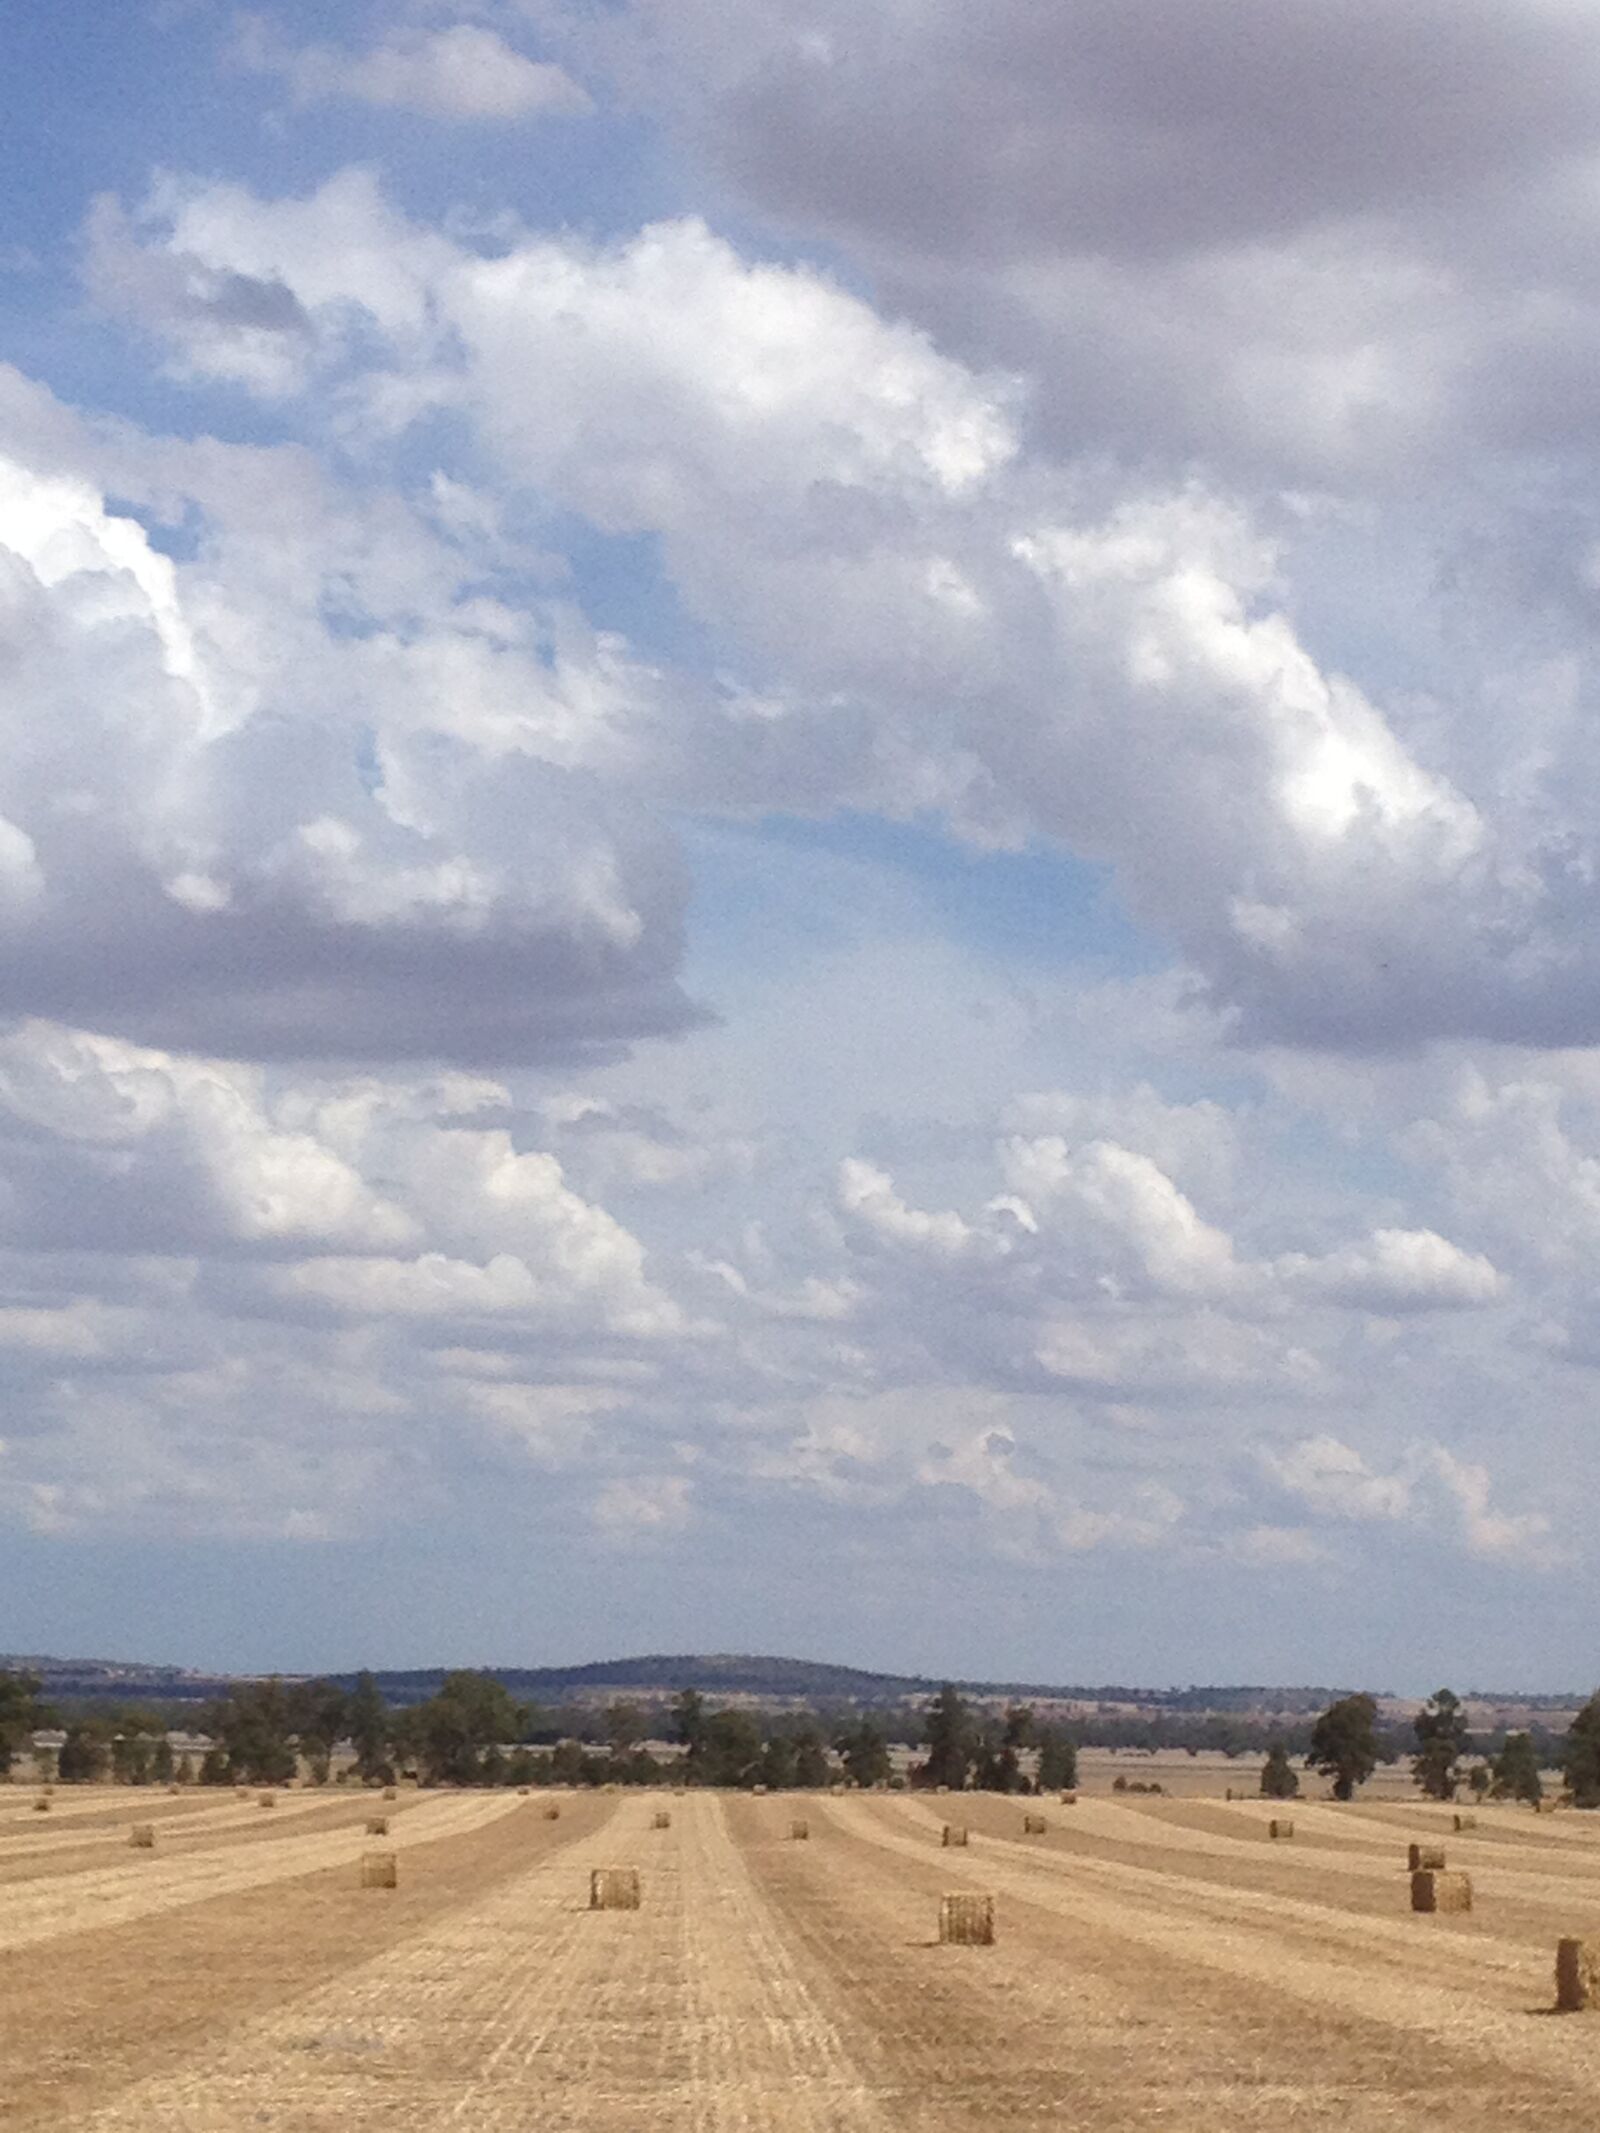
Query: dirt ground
x=1161, y=1962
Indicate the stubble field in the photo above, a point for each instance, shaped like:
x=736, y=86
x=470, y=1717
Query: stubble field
x=1159, y=1963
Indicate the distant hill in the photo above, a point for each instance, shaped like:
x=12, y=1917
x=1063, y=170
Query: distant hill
x=656, y=1676
x=746, y=1676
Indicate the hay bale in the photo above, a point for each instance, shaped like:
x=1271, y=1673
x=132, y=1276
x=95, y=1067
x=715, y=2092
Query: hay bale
x=1279, y=1828
x=1069, y=1799
x=614, y=1888
x=380, y=1870
x=142, y=1836
x=1228, y=1795
x=966, y=1921
x=1426, y=1858
x=758, y=1789
x=953, y=1833
x=173, y=1791
x=267, y=1799
x=390, y=1793
x=552, y=1813
x=1544, y=1807
x=524, y=1792
x=661, y=1819
x=1577, y=1976
x=1435, y=1891
x=799, y=1831
x=377, y=1825
x=941, y=1790
x=1033, y=1825
x=1464, y=1822
x=41, y=1807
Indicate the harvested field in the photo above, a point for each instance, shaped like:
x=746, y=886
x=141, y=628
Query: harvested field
x=1160, y=1962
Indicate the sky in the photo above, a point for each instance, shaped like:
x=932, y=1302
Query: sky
x=800, y=835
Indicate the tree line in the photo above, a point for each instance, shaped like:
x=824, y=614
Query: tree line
x=472, y=1731
x=1346, y=1746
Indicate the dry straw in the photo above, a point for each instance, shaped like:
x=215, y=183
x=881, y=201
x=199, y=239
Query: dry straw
x=1426, y=1857
x=614, y=1888
x=1033, y=1825
x=954, y=1833
x=377, y=1825
x=1434, y=1891
x=269, y=1799
x=1280, y=1829
x=1577, y=1976
x=1464, y=1822
x=661, y=1819
x=553, y=1812
x=380, y=1870
x=967, y=1921
x=142, y=1836
x=800, y=1831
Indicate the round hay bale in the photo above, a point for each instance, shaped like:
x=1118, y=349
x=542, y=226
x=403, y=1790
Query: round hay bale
x=380, y=1870
x=552, y=1812
x=966, y=1920
x=1428, y=1858
x=953, y=1833
x=1034, y=1825
x=377, y=1825
x=1577, y=1976
x=1435, y=1891
x=614, y=1888
x=799, y=1832
x=1279, y=1829
x=661, y=1819
x=142, y=1836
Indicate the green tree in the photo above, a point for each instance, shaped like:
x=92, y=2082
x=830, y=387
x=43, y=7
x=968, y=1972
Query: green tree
x=252, y=1726
x=777, y=1763
x=83, y=1755
x=454, y=1729
x=1441, y=1730
x=1058, y=1760
x=731, y=1749
x=20, y=1716
x=1344, y=1744
x=161, y=1763
x=1278, y=1781
x=998, y=1766
x=1580, y=1756
x=367, y=1725
x=689, y=1726
x=864, y=1753
x=319, y=1712
x=131, y=1755
x=811, y=1767
x=1516, y=1770
x=952, y=1740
